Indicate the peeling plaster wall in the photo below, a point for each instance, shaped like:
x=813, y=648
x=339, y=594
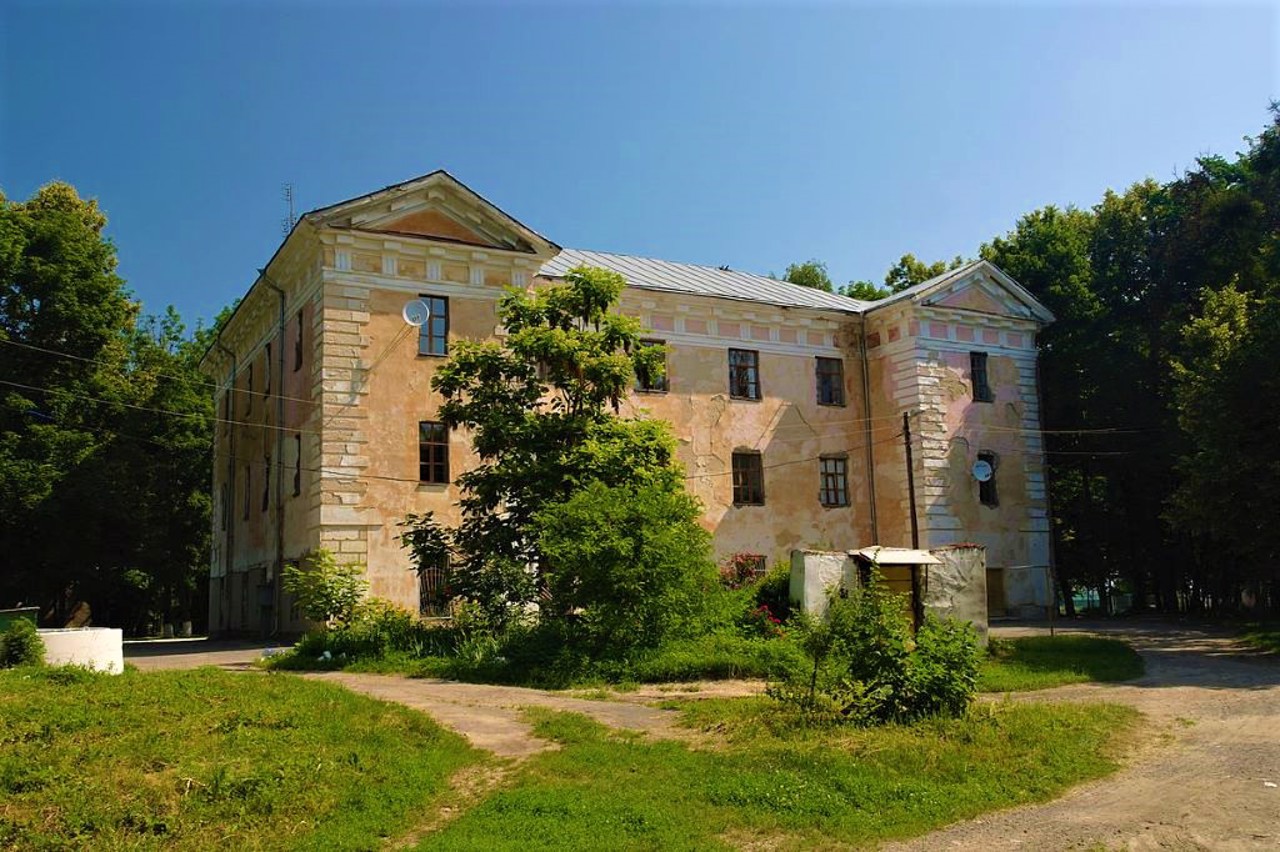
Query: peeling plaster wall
x=363, y=388
x=958, y=587
x=921, y=363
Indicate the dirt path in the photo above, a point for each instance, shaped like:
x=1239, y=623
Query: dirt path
x=489, y=716
x=1216, y=708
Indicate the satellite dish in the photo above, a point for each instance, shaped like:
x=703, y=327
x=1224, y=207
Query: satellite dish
x=982, y=470
x=416, y=312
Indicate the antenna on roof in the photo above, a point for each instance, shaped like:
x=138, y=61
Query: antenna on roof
x=290, y=219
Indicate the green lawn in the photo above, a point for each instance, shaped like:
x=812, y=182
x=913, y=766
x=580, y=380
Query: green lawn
x=764, y=778
x=208, y=759
x=1038, y=662
x=1263, y=636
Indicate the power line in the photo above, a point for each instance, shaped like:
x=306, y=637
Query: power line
x=191, y=380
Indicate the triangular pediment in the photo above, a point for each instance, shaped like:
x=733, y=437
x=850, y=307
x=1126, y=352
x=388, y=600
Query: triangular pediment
x=435, y=207
x=979, y=287
x=981, y=294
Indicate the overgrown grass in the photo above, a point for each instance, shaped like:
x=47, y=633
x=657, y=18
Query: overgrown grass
x=208, y=759
x=714, y=656
x=771, y=779
x=1263, y=636
x=1039, y=662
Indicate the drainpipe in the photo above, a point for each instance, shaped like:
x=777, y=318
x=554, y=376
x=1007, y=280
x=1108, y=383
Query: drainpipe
x=866, y=413
x=229, y=502
x=279, y=454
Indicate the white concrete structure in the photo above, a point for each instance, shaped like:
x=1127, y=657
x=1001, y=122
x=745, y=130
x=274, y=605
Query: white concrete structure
x=100, y=648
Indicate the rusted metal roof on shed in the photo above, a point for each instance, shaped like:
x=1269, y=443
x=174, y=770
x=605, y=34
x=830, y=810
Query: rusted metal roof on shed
x=650, y=274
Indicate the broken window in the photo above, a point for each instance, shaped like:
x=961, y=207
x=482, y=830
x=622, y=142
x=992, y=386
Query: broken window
x=744, y=374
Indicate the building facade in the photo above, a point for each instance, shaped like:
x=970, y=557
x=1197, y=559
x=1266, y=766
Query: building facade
x=788, y=403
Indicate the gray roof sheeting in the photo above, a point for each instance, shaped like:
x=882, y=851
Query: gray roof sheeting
x=649, y=274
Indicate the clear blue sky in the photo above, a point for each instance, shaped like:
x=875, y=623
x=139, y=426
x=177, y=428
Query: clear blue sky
x=747, y=135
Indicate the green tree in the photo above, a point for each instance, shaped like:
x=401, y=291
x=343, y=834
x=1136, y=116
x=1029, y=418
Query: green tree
x=105, y=427
x=811, y=273
x=864, y=290
x=909, y=271
x=541, y=408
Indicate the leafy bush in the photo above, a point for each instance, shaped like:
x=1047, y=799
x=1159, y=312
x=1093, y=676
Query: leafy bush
x=21, y=645
x=774, y=591
x=627, y=566
x=865, y=667
x=326, y=592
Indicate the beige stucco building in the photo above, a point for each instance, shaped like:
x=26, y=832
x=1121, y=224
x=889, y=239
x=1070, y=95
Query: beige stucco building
x=788, y=403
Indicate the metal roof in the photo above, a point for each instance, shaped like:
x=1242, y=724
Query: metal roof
x=896, y=556
x=650, y=274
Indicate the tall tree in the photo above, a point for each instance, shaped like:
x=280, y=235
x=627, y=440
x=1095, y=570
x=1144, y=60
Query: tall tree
x=909, y=271
x=541, y=409
x=811, y=273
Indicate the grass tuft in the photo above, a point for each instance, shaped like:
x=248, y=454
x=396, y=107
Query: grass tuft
x=1039, y=662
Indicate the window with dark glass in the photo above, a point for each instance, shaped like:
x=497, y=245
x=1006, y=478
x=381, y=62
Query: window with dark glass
x=656, y=382
x=224, y=504
x=433, y=335
x=978, y=373
x=830, y=381
x=748, y=479
x=297, y=465
x=248, y=481
x=266, y=482
x=834, y=485
x=248, y=390
x=297, y=346
x=266, y=382
x=987, y=494
x=433, y=452
x=744, y=374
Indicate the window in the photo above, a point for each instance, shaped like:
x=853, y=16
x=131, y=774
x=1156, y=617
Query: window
x=433, y=587
x=297, y=346
x=266, y=482
x=297, y=465
x=744, y=374
x=978, y=373
x=266, y=382
x=228, y=413
x=834, y=486
x=987, y=494
x=653, y=383
x=748, y=479
x=433, y=336
x=830, y=381
x=248, y=392
x=433, y=452
x=224, y=504
x=248, y=481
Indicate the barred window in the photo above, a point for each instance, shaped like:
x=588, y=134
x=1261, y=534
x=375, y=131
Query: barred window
x=978, y=373
x=830, y=381
x=433, y=452
x=748, y=479
x=433, y=336
x=744, y=374
x=834, y=485
x=433, y=587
